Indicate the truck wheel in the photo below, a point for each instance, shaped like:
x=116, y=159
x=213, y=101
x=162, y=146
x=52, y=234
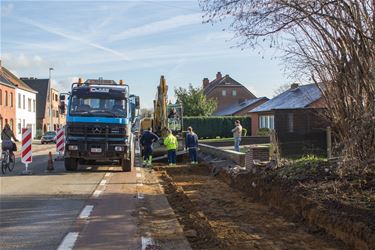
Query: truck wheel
x=71, y=164
x=128, y=164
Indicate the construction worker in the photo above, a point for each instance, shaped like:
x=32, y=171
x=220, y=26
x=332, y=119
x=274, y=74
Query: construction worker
x=171, y=143
x=191, y=144
x=237, y=132
x=147, y=139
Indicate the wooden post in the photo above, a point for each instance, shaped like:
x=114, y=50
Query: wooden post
x=329, y=142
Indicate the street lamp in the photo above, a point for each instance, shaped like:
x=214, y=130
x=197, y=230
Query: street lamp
x=50, y=99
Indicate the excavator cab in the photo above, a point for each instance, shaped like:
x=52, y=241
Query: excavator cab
x=175, y=114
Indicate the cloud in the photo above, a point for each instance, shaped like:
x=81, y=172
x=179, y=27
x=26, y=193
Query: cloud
x=23, y=61
x=6, y=9
x=159, y=26
x=63, y=85
x=72, y=37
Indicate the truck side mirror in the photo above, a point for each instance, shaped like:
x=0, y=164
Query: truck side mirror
x=62, y=107
x=62, y=97
x=137, y=103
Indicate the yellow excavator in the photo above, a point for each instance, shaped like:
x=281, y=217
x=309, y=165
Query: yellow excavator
x=166, y=116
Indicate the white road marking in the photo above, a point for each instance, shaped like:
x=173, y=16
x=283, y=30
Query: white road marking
x=97, y=193
x=140, y=184
x=112, y=168
x=68, y=241
x=147, y=243
x=86, y=211
x=107, y=175
x=103, y=182
x=140, y=196
x=138, y=169
x=138, y=175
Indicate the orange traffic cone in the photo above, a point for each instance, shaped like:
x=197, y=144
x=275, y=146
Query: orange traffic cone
x=50, y=162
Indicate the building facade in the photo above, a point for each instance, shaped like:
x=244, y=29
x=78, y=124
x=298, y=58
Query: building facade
x=7, y=102
x=47, y=116
x=296, y=115
x=25, y=103
x=226, y=91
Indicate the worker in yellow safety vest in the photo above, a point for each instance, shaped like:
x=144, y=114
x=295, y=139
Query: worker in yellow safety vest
x=171, y=143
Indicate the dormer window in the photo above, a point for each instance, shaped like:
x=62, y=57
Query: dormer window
x=234, y=92
x=224, y=92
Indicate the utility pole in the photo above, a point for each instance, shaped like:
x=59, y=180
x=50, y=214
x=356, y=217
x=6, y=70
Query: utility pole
x=50, y=99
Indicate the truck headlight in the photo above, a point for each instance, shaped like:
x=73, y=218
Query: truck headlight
x=119, y=148
x=73, y=147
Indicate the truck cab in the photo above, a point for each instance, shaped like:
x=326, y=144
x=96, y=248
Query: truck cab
x=99, y=120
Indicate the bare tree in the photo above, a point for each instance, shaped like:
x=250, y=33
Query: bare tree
x=330, y=41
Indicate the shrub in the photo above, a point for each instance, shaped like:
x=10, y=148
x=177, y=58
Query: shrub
x=215, y=126
x=244, y=131
x=263, y=132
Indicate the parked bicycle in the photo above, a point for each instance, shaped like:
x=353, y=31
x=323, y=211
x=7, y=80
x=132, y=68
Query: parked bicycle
x=8, y=161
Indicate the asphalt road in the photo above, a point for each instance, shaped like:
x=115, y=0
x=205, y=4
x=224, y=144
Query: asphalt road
x=37, y=210
x=96, y=207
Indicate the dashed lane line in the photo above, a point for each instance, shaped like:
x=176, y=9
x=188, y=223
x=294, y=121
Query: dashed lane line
x=140, y=196
x=107, y=175
x=102, y=182
x=68, y=241
x=86, y=211
x=97, y=193
x=148, y=243
x=138, y=175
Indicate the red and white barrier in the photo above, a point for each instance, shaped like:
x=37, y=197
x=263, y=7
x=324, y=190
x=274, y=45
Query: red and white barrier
x=60, y=140
x=26, y=153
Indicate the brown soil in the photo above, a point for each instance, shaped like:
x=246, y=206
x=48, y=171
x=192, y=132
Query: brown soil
x=216, y=216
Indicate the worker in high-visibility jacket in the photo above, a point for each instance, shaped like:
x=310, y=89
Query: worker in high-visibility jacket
x=171, y=143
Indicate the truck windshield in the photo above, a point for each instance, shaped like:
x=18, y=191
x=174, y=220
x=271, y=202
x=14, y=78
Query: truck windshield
x=88, y=106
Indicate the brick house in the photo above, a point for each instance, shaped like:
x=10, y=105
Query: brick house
x=7, y=101
x=297, y=117
x=25, y=105
x=226, y=91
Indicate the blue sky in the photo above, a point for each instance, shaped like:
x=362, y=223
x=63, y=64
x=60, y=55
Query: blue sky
x=132, y=40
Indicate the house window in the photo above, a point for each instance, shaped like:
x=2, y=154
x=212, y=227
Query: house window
x=6, y=98
x=223, y=92
x=290, y=123
x=19, y=100
x=11, y=100
x=24, y=123
x=266, y=121
x=11, y=124
x=19, y=126
x=34, y=104
x=234, y=92
x=24, y=101
x=29, y=104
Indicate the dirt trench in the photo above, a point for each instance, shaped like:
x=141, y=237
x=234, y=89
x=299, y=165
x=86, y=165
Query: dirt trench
x=215, y=216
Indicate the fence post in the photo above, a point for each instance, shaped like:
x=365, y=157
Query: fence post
x=329, y=142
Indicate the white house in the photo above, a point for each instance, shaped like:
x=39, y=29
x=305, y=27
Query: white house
x=25, y=106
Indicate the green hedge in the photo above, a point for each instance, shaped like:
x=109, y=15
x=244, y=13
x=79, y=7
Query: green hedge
x=215, y=126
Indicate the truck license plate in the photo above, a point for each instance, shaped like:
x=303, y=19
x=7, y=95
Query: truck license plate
x=96, y=150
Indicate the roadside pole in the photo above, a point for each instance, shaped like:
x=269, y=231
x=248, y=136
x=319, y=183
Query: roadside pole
x=26, y=154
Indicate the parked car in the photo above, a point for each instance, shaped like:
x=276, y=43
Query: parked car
x=48, y=137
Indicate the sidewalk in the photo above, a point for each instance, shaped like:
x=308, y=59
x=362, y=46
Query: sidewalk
x=36, y=147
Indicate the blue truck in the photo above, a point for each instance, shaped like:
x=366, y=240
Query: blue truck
x=100, y=116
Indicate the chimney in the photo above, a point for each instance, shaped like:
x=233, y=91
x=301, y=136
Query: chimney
x=294, y=86
x=218, y=76
x=206, y=82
